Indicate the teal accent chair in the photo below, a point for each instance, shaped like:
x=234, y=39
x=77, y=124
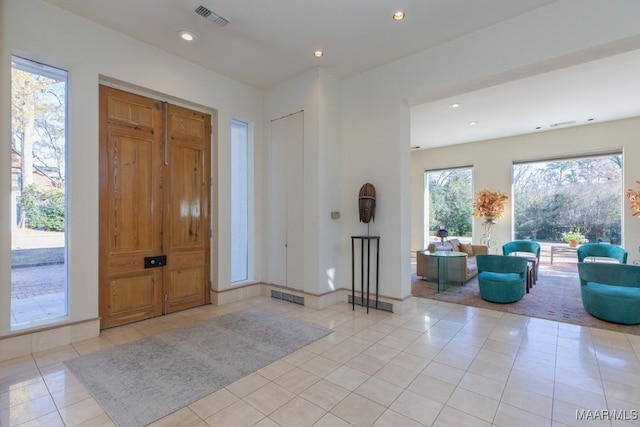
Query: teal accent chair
x=602, y=250
x=517, y=246
x=610, y=291
x=501, y=278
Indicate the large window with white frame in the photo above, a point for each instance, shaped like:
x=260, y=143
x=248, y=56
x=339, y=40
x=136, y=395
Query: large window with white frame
x=38, y=188
x=240, y=201
x=448, y=203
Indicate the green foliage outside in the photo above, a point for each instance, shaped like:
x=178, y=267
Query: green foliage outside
x=44, y=210
x=450, y=201
x=554, y=198
x=550, y=199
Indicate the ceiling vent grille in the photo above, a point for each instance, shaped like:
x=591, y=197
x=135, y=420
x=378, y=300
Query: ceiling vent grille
x=556, y=125
x=211, y=16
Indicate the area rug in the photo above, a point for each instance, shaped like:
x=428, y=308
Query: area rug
x=145, y=380
x=555, y=296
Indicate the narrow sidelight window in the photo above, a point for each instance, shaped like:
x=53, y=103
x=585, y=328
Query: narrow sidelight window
x=38, y=188
x=240, y=188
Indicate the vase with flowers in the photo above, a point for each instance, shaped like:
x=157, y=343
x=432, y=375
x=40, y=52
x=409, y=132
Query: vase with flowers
x=489, y=205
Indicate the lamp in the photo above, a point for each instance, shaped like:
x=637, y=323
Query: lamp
x=442, y=233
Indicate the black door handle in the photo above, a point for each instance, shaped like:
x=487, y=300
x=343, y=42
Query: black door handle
x=155, y=261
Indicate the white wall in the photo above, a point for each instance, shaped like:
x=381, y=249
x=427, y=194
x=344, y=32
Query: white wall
x=492, y=162
x=374, y=119
x=39, y=31
x=316, y=93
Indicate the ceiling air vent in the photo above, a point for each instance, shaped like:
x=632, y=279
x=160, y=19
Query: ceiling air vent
x=211, y=16
x=557, y=125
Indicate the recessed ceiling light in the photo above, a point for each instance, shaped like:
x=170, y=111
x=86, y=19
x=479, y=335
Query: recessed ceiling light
x=454, y=105
x=186, y=36
x=473, y=123
x=398, y=16
x=318, y=53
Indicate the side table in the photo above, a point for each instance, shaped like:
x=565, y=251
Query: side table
x=362, y=239
x=443, y=258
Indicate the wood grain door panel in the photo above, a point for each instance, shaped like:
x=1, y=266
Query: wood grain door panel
x=154, y=198
x=186, y=211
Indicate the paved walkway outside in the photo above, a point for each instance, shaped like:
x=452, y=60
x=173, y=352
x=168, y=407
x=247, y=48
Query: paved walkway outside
x=38, y=285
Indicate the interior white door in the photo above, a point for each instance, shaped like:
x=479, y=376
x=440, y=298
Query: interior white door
x=286, y=237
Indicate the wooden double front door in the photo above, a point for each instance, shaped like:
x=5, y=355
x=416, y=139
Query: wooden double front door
x=154, y=207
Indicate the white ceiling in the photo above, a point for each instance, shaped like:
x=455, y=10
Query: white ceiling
x=268, y=42
x=596, y=91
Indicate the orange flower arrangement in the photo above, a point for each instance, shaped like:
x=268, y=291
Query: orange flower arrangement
x=489, y=204
x=634, y=198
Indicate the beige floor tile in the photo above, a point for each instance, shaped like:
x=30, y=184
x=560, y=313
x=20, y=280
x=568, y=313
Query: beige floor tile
x=320, y=366
x=27, y=411
x=22, y=394
x=358, y=410
x=347, y=378
x=431, y=388
x=392, y=419
x=396, y=375
x=213, y=403
x=445, y=373
x=482, y=385
x=454, y=359
x=449, y=417
x=473, y=404
x=265, y=422
x=269, y=398
x=239, y=414
x=585, y=382
x=50, y=420
x=99, y=421
x=56, y=355
x=417, y=407
x=615, y=390
x=297, y=380
x=437, y=364
x=330, y=420
x=275, y=369
x=531, y=383
x=81, y=411
x=298, y=412
x=410, y=361
x=184, y=417
x=247, y=385
x=367, y=364
x=567, y=413
x=579, y=396
x=528, y=400
x=298, y=357
x=70, y=395
x=496, y=358
x=379, y=391
x=490, y=370
x=325, y=394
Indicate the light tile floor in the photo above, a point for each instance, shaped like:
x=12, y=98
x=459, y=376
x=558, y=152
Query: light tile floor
x=440, y=364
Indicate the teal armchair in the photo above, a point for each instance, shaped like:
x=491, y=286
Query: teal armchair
x=602, y=250
x=501, y=278
x=610, y=291
x=527, y=246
